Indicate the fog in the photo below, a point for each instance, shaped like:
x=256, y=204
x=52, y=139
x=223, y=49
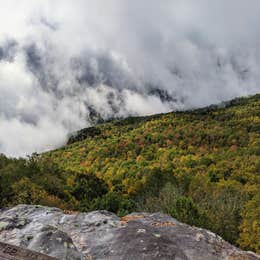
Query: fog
x=65, y=63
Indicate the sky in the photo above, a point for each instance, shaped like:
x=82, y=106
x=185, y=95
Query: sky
x=64, y=62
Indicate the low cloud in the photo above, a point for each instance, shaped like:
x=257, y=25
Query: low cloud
x=62, y=61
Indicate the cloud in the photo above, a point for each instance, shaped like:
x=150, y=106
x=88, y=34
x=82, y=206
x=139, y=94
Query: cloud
x=62, y=61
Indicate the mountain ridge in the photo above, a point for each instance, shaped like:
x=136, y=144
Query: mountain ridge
x=188, y=164
x=88, y=131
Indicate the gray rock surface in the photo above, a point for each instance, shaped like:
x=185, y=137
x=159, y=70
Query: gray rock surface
x=102, y=235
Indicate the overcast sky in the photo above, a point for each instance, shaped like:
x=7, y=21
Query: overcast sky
x=63, y=60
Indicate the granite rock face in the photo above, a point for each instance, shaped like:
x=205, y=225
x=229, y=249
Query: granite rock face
x=103, y=235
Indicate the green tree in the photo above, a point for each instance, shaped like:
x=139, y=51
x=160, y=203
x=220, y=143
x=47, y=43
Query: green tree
x=114, y=202
x=171, y=202
x=88, y=187
x=26, y=192
x=249, y=238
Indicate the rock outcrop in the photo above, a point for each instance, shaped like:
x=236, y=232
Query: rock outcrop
x=103, y=235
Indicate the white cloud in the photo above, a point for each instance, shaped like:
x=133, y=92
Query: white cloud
x=62, y=59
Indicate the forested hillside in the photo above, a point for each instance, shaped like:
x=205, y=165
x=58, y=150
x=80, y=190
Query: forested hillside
x=201, y=167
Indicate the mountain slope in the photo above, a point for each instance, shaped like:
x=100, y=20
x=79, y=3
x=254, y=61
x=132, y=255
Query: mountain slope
x=202, y=167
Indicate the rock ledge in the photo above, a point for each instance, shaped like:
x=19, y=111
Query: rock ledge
x=103, y=235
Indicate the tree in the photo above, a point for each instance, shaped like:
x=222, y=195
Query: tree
x=26, y=192
x=114, y=202
x=171, y=202
x=249, y=238
x=88, y=187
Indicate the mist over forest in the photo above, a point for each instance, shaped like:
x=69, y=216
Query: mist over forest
x=64, y=63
